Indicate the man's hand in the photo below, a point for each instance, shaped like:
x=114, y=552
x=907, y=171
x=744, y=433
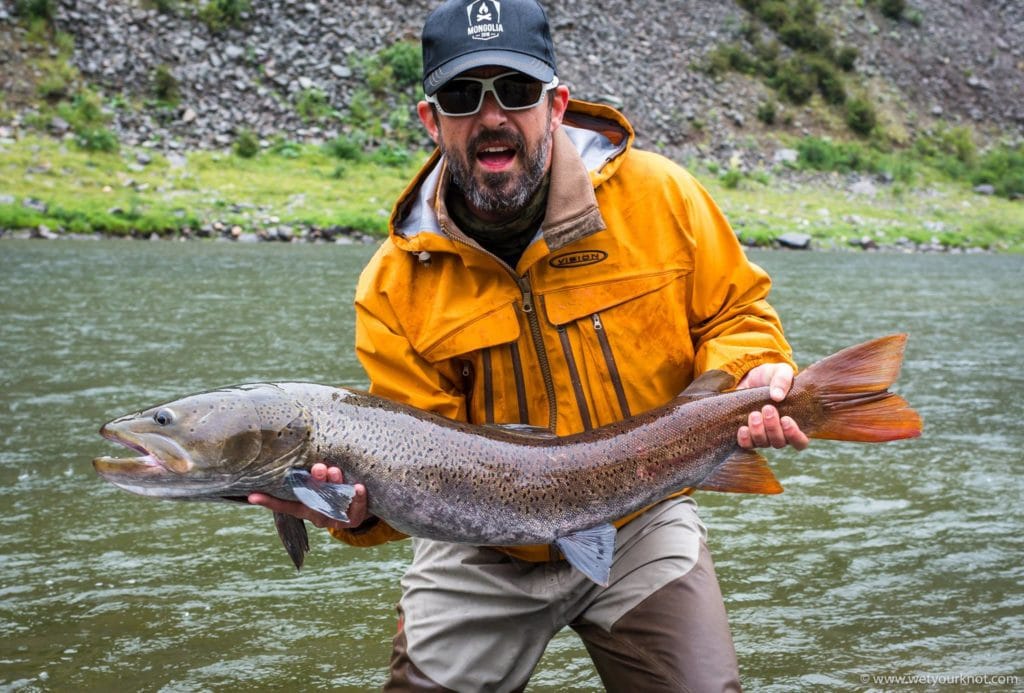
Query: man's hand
x=357, y=512
x=765, y=428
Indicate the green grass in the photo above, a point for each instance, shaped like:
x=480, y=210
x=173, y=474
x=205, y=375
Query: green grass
x=109, y=192
x=946, y=212
x=334, y=185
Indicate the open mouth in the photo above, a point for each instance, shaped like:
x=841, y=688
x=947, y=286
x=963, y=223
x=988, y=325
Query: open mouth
x=496, y=157
x=155, y=472
x=147, y=459
x=162, y=456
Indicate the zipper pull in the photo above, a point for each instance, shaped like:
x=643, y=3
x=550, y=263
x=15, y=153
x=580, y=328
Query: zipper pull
x=527, y=302
x=598, y=325
x=524, y=286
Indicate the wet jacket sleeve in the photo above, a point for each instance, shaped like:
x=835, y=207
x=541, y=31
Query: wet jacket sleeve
x=734, y=329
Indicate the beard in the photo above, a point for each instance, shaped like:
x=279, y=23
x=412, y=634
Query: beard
x=506, y=192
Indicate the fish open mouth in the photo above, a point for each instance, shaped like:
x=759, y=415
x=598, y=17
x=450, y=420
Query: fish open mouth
x=146, y=458
x=152, y=463
x=145, y=475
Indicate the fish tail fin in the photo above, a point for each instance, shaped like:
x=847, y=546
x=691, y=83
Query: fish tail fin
x=851, y=387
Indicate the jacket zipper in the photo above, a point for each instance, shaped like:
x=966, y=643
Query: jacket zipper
x=535, y=331
x=574, y=378
x=538, y=345
x=609, y=360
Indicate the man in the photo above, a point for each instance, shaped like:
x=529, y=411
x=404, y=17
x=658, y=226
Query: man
x=540, y=270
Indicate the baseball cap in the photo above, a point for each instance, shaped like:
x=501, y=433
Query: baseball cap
x=464, y=34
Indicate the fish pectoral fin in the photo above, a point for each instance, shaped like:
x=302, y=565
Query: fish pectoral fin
x=293, y=535
x=590, y=551
x=327, y=499
x=744, y=471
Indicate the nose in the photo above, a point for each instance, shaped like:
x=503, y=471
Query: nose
x=491, y=113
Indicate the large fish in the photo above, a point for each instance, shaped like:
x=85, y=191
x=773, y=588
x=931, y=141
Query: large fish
x=432, y=477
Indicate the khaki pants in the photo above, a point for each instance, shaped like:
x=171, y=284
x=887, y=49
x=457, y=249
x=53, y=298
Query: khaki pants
x=476, y=619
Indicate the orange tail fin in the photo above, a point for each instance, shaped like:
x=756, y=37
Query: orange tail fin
x=852, y=388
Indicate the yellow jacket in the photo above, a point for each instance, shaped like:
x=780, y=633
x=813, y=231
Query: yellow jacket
x=634, y=286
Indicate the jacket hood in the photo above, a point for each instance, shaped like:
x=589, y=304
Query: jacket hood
x=600, y=134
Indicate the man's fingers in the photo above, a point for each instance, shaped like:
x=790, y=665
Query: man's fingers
x=357, y=510
x=773, y=427
x=755, y=429
x=794, y=436
x=266, y=501
x=743, y=437
x=782, y=380
x=766, y=429
x=277, y=505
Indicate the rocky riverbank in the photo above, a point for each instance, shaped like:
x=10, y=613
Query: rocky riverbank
x=958, y=62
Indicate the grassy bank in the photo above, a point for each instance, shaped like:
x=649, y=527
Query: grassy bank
x=939, y=215
x=64, y=188
x=58, y=185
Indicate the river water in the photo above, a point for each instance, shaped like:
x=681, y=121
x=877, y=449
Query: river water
x=902, y=559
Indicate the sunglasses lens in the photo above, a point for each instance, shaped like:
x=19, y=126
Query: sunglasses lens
x=459, y=96
x=516, y=91
x=464, y=96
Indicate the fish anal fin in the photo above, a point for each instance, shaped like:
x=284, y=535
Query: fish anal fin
x=590, y=551
x=744, y=471
x=326, y=498
x=293, y=535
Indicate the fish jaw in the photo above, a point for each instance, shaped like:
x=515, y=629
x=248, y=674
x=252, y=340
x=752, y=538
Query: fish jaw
x=140, y=476
x=156, y=449
x=160, y=471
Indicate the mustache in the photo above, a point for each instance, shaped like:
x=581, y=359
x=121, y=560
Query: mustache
x=502, y=137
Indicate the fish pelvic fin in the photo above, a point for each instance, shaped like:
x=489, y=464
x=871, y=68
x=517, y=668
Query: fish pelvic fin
x=852, y=388
x=326, y=498
x=744, y=471
x=293, y=535
x=707, y=384
x=590, y=551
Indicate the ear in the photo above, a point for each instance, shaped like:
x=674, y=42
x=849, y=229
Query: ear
x=559, y=104
x=429, y=119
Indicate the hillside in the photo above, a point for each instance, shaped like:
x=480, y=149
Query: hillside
x=299, y=69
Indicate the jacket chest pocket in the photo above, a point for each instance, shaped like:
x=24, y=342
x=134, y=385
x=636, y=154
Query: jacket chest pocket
x=625, y=344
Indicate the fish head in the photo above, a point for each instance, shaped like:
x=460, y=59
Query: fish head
x=219, y=444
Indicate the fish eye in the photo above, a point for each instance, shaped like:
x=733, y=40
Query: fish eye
x=163, y=416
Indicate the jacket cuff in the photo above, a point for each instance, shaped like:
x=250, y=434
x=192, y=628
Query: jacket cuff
x=741, y=366
x=366, y=534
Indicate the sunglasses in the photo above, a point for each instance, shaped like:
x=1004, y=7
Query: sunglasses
x=513, y=91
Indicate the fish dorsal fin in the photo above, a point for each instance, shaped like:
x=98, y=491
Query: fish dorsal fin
x=522, y=429
x=707, y=384
x=326, y=498
x=293, y=535
x=744, y=471
x=590, y=551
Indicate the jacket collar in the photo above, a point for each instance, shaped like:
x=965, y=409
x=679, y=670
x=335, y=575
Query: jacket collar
x=586, y=151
